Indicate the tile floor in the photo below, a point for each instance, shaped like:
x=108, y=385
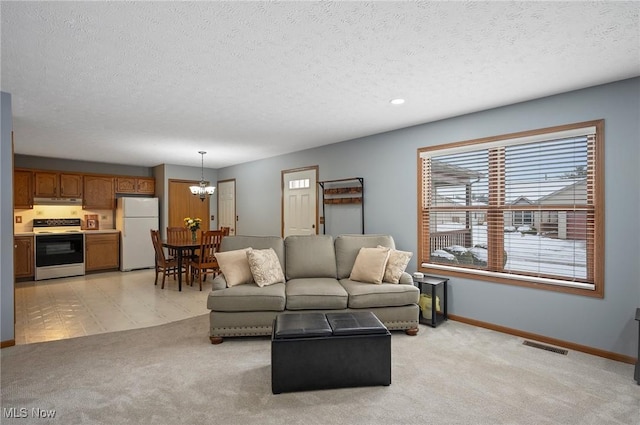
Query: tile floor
x=62, y=308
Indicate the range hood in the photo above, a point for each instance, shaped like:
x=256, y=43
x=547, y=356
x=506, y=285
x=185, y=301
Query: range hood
x=57, y=201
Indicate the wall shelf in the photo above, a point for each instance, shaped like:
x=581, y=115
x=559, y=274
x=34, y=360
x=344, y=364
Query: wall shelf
x=342, y=192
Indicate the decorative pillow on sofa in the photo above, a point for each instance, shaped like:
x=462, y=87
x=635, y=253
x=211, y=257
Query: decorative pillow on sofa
x=265, y=266
x=370, y=265
x=397, y=264
x=234, y=265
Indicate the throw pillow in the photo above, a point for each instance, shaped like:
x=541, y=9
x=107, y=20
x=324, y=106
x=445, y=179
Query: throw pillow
x=369, y=265
x=397, y=264
x=235, y=267
x=265, y=266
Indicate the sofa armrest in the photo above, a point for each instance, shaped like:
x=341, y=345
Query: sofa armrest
x=219, y=282
x=406, y=279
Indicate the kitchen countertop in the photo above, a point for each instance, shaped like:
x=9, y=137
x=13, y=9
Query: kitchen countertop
x=101, y=231
x=83, y=231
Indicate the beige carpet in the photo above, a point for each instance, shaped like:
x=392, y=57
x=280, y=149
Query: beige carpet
x=170, y=374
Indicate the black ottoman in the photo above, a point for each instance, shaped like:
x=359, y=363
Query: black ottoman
x=315, y=351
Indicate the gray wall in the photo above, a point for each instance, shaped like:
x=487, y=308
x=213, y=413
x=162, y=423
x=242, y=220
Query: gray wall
x=388, y=163
x=57, y=164
x=6, y=221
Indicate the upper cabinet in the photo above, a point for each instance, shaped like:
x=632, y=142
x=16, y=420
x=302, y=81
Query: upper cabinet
x=138, y=185
x=23, y=189
x=57, y=185
x=99, y=193
x=146, y=186
x=71, y=185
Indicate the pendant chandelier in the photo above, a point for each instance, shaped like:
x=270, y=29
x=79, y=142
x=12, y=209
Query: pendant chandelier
x=202, y=190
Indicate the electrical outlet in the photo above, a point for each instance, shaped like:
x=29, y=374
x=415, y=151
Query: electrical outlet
x=104, y=217
x=73, y=212
x=213, y=217
x=39, y=212
x=18, y=219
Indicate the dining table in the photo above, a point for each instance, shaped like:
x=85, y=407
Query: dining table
x=182, y=247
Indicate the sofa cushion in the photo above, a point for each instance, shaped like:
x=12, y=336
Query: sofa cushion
x=398, y=261
x=230, y=243
x=406, y=278
x=370, y=265
x=347, y=248
x=318, y=293
x=365, y=295
x=310, y=256
x=248, y=298
x=234, y=265
x=265, y=266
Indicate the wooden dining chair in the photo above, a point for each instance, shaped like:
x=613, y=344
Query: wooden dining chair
x=178, y=235
x=164, y=265
x=205, y=263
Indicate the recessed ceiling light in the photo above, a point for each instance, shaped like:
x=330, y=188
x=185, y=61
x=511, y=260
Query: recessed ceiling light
x=396, y=101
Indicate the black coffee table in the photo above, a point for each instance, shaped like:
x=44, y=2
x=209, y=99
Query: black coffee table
x=314, y=351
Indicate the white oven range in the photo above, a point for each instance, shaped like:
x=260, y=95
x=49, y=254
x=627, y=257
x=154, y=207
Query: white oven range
x=59, y=247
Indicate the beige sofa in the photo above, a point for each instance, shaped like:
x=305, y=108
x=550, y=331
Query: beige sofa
x=317, y=270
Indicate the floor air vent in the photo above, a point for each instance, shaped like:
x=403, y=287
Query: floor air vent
x=546, y=347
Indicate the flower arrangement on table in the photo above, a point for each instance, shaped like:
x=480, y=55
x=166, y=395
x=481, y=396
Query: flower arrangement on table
x=192, y=224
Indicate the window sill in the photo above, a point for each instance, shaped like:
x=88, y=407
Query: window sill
x=578, y=288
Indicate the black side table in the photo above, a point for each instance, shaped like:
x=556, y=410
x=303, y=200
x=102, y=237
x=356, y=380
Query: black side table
x=636, y=374
x=436, y=289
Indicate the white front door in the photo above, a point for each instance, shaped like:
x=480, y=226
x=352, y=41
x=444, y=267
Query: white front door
x=227, y=205
x=299, y=202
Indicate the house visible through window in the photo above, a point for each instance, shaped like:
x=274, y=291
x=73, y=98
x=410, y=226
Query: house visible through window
x=522, y=208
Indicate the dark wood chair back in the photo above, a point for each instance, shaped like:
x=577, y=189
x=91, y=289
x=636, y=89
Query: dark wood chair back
x=206, y=262
x=178, y=234
x=164, y=265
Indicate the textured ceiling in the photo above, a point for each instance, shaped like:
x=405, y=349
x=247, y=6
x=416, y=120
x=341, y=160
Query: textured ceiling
x=147, y=83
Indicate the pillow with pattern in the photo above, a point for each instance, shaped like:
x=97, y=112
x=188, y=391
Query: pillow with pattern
x=265, y=267
x=397, y=264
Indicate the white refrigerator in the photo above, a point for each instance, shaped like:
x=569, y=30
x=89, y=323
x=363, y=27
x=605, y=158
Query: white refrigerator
x=134, y=218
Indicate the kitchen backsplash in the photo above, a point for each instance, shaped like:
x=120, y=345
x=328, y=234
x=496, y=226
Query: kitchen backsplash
x=105, y=217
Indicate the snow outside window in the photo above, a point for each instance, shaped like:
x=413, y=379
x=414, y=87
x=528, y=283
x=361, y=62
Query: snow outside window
x=520, y=208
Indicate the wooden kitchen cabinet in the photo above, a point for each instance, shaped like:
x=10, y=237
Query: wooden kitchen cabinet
x=99, y=192
x=57, y=185
x=102, y=251
x=23, y=257
x=147, y=186
x=137, y=185
x=22, y=189
x=46, y=185
x=71, y=185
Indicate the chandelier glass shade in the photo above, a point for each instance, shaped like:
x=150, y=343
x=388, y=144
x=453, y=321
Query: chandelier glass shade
x=202, y=190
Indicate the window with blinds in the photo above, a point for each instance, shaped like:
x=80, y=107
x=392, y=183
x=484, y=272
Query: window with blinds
x=523, y=208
